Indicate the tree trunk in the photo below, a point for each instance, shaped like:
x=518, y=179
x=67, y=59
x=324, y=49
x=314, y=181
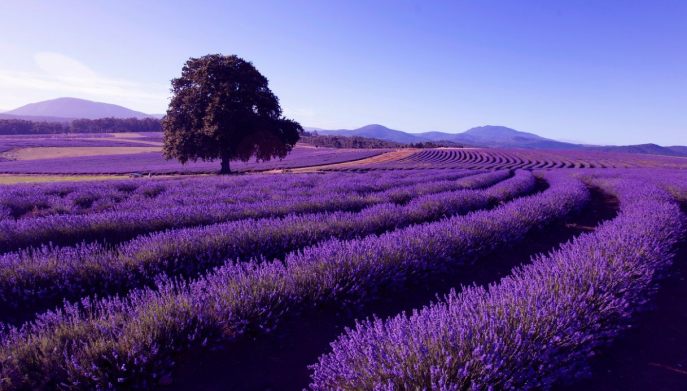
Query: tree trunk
x=225, y=165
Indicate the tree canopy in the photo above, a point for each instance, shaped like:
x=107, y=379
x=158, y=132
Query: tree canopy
x=222, y=108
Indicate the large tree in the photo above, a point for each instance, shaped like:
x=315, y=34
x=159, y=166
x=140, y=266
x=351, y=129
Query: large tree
x=222, y=108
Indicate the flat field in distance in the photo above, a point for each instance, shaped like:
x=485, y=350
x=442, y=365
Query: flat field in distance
x=126, y=153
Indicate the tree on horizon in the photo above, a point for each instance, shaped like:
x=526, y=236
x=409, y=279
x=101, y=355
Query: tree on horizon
x=222, y=108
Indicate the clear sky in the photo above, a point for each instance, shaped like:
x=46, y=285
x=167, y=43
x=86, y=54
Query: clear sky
x=596, y=71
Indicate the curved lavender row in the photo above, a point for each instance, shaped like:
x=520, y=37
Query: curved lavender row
x=29, y=201
x=45, y=276
x=5, y=212
x=116, y=226
x=501, y=158
x=197, y=192
x=127, y=342
x=534, y=327
x=673, y=181
x=70, y=198
x=303, y=203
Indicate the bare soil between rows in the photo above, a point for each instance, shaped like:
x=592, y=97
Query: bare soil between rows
x=279, y=360
x=652, y=355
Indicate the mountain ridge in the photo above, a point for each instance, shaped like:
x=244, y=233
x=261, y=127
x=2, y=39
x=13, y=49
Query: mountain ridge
x=489, y=136
x=495, y=136
x=71, y=108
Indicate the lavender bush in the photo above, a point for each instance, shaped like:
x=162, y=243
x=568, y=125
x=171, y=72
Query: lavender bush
x=116, y=226
x=535, y=327
x=129, y=341
x=470, y=158
x=46, y=275
x=37, y=200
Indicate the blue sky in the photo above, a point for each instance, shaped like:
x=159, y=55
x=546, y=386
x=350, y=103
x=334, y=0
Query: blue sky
x=612, y=72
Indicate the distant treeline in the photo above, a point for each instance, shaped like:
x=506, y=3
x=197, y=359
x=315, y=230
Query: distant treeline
x=347, y=142
x=364, y=142
x=101, y=125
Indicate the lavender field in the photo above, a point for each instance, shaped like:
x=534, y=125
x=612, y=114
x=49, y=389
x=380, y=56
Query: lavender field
x=441, y=269
x=88, y=154
x=343, y=196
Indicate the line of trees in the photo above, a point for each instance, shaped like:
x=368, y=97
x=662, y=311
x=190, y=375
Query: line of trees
x=347, y=141
x=332, y=141
x=101, y=125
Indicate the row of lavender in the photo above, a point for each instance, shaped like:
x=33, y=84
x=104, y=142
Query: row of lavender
x=37, y=200
x=115, y=226
x=129, y=341
x=534, y=328
x=41, y=277
x=496, y=158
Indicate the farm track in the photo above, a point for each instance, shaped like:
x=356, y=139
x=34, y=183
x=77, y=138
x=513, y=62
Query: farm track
x=653, y=354
x=279, y=360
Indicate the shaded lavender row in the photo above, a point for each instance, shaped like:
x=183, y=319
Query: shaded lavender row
x=129, y=342
x=119, y=226
x=535, y=327
x=81, y=198
x=25, y=201
x=154, y=162
x=43, y=277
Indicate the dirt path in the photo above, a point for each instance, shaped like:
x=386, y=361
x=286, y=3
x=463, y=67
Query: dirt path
x=653, y=354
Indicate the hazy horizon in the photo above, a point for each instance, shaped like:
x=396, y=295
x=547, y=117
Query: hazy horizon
x=601, y=73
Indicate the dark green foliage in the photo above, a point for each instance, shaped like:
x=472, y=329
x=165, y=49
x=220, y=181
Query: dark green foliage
x=222, y=108
x=333, y=141
x=435, y=144
x=19, y=126
x=111, y=125
x=101, y=125
x=348, y=142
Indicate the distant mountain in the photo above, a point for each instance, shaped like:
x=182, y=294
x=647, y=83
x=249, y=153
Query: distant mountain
x=679, y=149
x=503, y=137
x=652, y=149
x=483, y=136
x=491, y=136
x=75, y=108
x=376, y=131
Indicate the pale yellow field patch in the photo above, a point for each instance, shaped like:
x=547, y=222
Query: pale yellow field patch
x=128, y=140
x=36, y=153
x=10, y=179
x=128, y=135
